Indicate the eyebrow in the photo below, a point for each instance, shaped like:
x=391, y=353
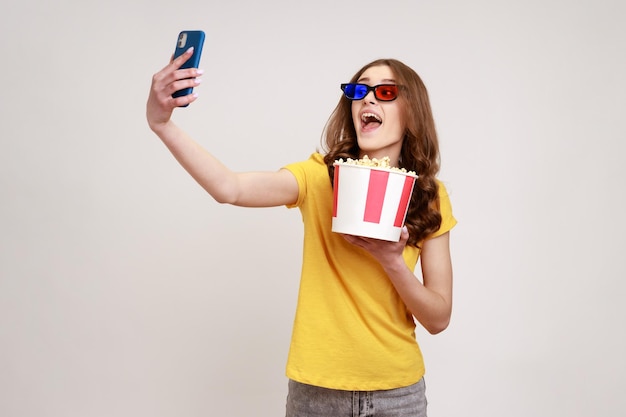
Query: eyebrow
x=383, y=81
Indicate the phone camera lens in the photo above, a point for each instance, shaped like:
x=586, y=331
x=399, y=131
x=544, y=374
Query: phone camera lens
x=182, y=40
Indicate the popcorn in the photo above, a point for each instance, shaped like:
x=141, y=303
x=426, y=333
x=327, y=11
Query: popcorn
x=384, y=163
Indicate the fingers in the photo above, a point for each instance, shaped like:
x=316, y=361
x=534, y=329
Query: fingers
x=182, y=85
x=181, y=59
x=167, y=72
x=175, y=64
x=374, y=245
x=404, y=235
x=172, y=72
x=184, y=100
x=168, y=81
x=174, y=80
x=358, y=240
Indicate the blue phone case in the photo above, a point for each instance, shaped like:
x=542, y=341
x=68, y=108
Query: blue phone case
x=185, y=40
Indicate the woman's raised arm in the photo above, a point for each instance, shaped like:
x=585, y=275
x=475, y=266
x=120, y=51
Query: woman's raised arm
x=251, y=189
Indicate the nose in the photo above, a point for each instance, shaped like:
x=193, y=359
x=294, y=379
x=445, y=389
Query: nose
x=370, y=97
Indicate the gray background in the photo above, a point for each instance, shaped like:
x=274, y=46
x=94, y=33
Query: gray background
x=126, y=291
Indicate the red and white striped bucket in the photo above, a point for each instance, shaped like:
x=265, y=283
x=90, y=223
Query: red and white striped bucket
x=371, y=201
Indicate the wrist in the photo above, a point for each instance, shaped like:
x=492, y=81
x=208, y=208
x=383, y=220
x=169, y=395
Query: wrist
x=394, y=265
x=160, y=128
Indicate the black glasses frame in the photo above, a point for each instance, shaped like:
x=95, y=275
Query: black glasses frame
x=369, y=88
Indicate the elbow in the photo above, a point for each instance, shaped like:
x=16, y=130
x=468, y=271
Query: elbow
x=227, y=191
x=437, y=327
x=436, y=330
x=222, y=196
x=222, y=199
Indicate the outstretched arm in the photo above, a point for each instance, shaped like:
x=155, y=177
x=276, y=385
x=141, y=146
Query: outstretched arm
x=252, y=189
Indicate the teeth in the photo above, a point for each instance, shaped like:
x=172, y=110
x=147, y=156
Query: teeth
x=366, y=116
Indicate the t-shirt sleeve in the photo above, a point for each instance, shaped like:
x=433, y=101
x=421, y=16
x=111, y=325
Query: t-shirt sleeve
x=447, y=218
x=299, y=169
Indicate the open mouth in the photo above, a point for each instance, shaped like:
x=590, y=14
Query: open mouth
x=370, y=120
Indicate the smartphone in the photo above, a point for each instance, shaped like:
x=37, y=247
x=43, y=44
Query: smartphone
x=187, y=39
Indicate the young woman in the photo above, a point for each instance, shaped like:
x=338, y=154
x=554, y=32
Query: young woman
x=353, y=348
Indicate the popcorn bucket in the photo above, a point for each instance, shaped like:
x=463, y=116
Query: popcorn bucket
x=371, y=201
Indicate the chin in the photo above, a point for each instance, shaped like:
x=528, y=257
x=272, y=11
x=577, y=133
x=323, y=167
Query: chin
x=367, y=144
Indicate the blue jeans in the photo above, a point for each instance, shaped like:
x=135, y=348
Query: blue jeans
x=310, y=401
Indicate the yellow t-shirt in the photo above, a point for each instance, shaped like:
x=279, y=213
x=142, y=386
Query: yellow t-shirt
x=351, y=331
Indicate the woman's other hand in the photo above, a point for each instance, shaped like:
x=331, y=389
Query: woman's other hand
x=384, y=251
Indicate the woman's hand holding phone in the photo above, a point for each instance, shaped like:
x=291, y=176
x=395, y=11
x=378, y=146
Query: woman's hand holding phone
x=173, y=86
x=189, y=39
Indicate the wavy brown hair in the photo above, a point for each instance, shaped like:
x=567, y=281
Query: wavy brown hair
x=420, y=146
